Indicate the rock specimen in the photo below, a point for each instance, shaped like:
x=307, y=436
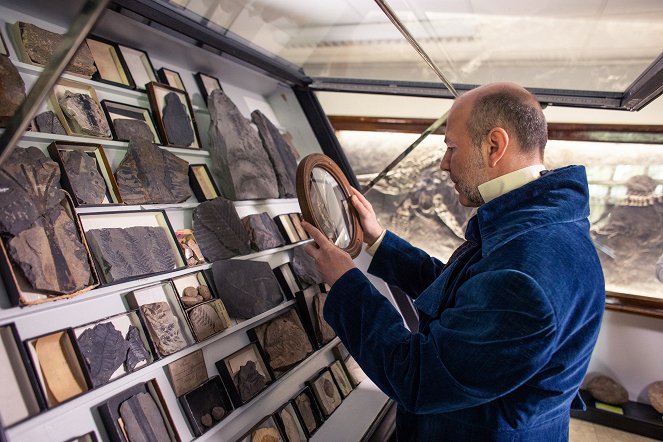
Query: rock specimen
x=327, y=393
x=219, y=231
x=84, y=115
x=51, y=254
x=176, y=121
x=104, y=350
x=304, y=268
x=48, y=122
x=32, y=184
x=127, y=129
x=204, y=404
x=263, y=231
x=341, y=379
x=132, y=251
x=205, y=321
x=247, y=288
x=323, y=330
x=249, y=381
x=304, y=406
x=137, y=352
x=284, y=341
x=218, y=413
x=142, y=419
x=163, y=327
x=280, y=155
x=269, y=434
x=148, y=174
x=87, y=183
x=605, y=389
x=12, y=90
x=41, y=44
x=192, y=254
x=655, y=394
x=290, y=426
x=238, y=157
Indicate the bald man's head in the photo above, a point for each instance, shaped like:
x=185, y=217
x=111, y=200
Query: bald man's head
x=511, y=107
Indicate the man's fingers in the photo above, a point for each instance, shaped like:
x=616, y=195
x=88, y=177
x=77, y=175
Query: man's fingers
x=317, y=235
x=312, y=250
x=360, y=203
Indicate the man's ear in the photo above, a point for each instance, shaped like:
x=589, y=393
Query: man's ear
x=498, y=142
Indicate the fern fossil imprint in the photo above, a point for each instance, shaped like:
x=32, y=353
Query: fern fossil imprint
x=132, y=251
x=104, y=350
x=87, y=183
x=205, y=321
x=219, y=231
x=163, y=327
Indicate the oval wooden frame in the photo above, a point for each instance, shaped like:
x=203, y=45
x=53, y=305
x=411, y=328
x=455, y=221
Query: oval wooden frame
x=304, y=170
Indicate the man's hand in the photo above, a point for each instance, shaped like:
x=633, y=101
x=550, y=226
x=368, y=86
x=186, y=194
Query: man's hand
x=367, y=218
x=330, y=261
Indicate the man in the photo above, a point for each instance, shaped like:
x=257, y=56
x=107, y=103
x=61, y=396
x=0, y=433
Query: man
x=508, y=325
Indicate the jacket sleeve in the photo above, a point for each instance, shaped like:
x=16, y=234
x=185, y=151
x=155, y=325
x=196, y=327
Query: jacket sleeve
x=399, y=263
x=497, y=337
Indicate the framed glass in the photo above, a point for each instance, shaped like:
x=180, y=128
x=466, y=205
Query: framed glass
x=111, y=67
x=171, y=78
x=206, y=84
x=139, y=65
x=119, y=111
x=174, y=114
x=323, y=192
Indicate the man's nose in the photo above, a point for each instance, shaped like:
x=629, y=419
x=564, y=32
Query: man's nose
x=444, y=164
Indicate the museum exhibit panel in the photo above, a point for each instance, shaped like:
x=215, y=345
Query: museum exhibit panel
x=155, y=284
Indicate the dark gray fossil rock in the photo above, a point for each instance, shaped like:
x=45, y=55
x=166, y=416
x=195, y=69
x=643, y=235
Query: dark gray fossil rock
x=247, y=288
x=280, y=154
x=12, y=89
x=323, y=330
x=238, y=157
x=263, y=231
x=87, y=183
x=142, y=419
x=29, y=187
x=84, y=115
x=51, y=254
x=176, y=121
x=41, y=44
x=104, y=349
x=219, y=231
x=163, y=327
x=132, y=251
x=127, y=129
x=249, y=381
x=304, y=268
x=148, y=174
x=606, y=389
x=304, y=406
x=48, y=122
x=137, y=352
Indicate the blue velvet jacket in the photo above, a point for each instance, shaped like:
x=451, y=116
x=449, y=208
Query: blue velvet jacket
x=506, y=328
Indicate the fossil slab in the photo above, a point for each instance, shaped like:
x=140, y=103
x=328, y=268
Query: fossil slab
x=266, y=434
x=606, y=389
x=263, y=231
x=51, y=254
x=219, y=231
x=176, y=121
x=204, y=405
x=41, y=44
x=328, y=396
x=132, y=251
x=12, y=89
x=305, y=408
x=29, y=187
x=247, y=288
x=655, y=394
x=84, y=115
x=280, y=154
x=163, y=327
x=285, y=341
x=104, y=350
x=88, y=184
x=137, y=352
x=304, y=268
x=205, y=321
x=48, y=122
x=323, y=330
x=142, y=419
x=238, y=157
x=128, y=129
x=148, y=174
x=290, y=426
x=249, y=381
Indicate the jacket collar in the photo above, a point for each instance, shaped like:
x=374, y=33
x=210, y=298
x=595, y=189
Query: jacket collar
x=561, y=195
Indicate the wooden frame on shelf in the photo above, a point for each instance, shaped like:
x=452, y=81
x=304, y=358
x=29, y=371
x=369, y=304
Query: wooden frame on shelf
x=69, y=124
x=171, y=78
x=158, y=94
x=116, y=111
x=202, y=183
x=206, y=84
x=111, y=67
x=138, y=65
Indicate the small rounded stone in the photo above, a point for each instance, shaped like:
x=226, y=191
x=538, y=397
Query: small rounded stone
x=190, y=300
x=206, y=420
x=218, y=413
x=655, y=393
x=606, y=389
x=205, y=292
x=191, y=292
